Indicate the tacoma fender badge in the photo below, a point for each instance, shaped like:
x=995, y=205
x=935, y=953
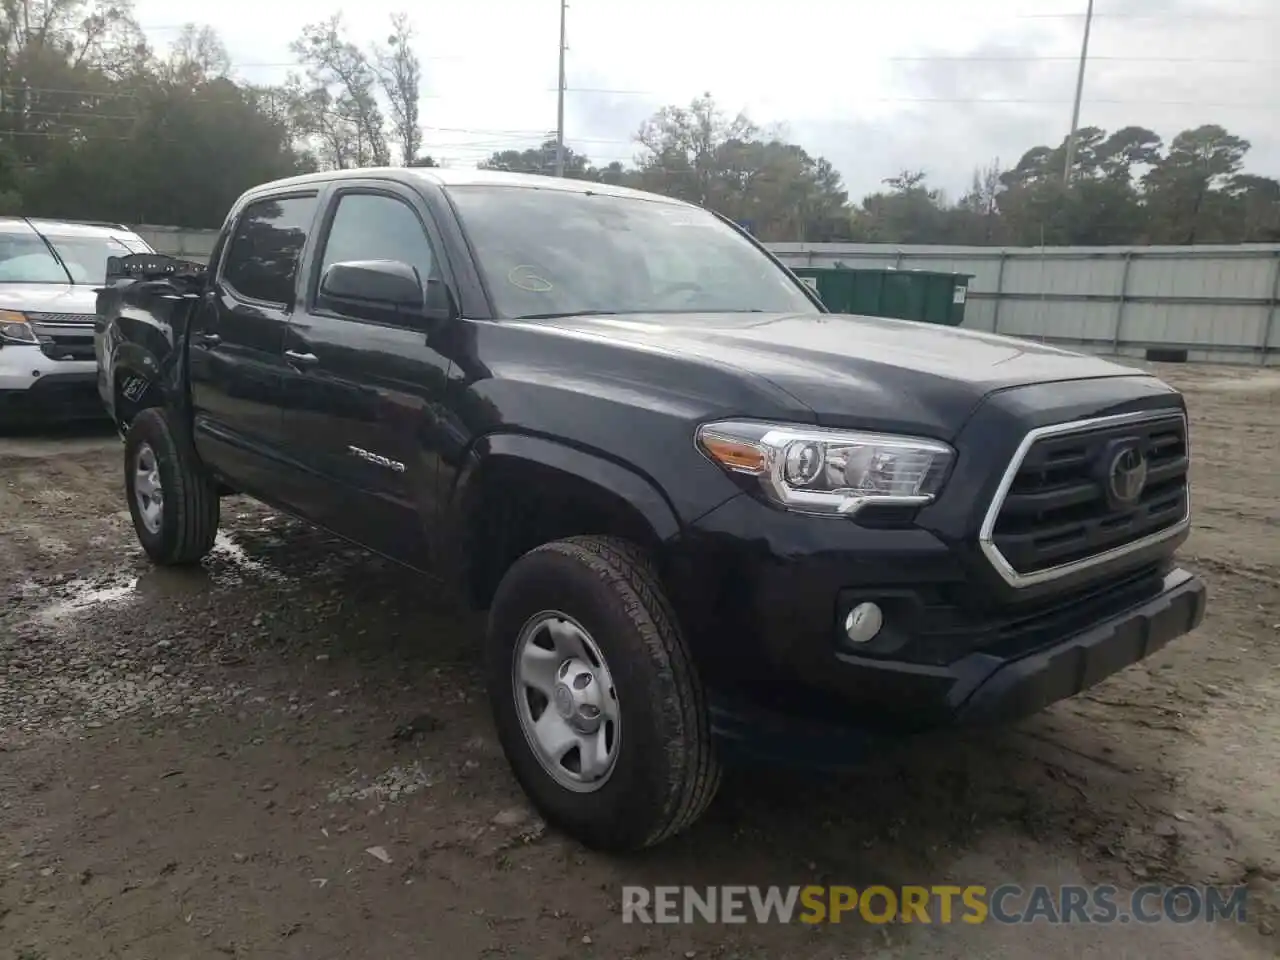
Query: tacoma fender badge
x=381, y=461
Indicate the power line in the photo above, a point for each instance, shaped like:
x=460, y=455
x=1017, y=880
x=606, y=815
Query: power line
x=257, y=91
x=297, y=64
x=968, y=101
x=532, y=132
x=64, y=134
x=1181, y=17
x=1260, y=105
x=1223, y=17
x=1043, y=58
x=499, y=135
x=891, y=58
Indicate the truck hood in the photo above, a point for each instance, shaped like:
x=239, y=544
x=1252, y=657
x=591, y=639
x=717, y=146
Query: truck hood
x=855, y=370
x=48, y=297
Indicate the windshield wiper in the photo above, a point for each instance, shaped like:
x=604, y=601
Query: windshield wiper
x=566, y=313
x=52, y=251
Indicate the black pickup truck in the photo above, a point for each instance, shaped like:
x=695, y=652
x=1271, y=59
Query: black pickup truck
x=707, y=517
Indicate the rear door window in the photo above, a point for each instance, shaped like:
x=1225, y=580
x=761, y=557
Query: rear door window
x=262, y=261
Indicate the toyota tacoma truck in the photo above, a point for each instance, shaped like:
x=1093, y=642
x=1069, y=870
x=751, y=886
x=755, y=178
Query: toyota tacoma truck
x=49, y=270
x=709, y=519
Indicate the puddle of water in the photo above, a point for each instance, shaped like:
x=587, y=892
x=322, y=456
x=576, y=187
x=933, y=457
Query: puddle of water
x=235, y=555
x=84, y=596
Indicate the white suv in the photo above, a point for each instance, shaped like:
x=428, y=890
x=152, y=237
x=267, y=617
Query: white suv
x=49, y=270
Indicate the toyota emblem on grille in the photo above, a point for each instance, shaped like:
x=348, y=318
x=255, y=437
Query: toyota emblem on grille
x=1128, y=476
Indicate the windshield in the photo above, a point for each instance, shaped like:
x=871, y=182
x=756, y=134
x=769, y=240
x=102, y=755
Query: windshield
x=548, y=252
x=24, y=258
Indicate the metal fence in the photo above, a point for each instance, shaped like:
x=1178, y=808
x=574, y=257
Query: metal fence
x=1215, y=304
x=1218, y=304
x=194, y=245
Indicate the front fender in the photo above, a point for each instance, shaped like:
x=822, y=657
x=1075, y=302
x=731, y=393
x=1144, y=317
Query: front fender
x=639, y=492
x=517, y=491
x=136, y=359
x=145, y=325
x=138, y=373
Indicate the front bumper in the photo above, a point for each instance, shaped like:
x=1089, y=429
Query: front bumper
x=34, y=388
x=762, y=595
x=985, y=690
x=1027, y=685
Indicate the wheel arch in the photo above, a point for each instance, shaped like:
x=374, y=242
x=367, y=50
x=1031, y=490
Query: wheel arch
x=138, y=381
x=517, y=491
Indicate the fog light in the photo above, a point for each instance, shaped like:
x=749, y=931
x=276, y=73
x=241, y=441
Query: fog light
x=863, y=623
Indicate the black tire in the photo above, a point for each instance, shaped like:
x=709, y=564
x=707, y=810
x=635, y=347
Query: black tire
x=666, y=773
x=189, y=506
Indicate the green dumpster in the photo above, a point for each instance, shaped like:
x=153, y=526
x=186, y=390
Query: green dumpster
x=923, y=295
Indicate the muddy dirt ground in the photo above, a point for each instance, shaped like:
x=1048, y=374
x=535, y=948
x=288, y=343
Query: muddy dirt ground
x=194, y=764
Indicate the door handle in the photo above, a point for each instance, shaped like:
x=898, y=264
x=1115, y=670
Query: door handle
x=209, y=339
x=301, y=359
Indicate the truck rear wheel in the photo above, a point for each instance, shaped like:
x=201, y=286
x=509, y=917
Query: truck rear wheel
x=596, y=699
x=173, y=500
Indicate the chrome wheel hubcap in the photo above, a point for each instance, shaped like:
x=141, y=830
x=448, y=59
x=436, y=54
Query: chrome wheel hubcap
x=566, y=701
x=147, y=490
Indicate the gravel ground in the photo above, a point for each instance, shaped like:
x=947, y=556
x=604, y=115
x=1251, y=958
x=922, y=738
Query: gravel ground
x=286, y=753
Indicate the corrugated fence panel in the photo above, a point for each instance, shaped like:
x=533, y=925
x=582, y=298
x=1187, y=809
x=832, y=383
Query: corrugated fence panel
x=1051, y=276
x=1219, y=304
x=194, y=245
x=980, y=315
x=1076, y=322
x=1203, y=276
x=1187, y=324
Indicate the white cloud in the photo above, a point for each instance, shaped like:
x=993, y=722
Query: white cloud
x=837, y=73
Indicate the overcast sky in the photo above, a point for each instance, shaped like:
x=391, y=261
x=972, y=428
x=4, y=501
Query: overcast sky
x=873, y=85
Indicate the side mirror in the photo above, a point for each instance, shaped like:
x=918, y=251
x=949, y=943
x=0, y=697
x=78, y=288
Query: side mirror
x=440, y=305
x=380, y=285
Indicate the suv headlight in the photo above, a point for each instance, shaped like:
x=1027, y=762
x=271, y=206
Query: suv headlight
x=829, y=472
x=14, y=328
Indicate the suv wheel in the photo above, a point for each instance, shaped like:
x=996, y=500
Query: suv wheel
x=597, y=703
x=173, y=501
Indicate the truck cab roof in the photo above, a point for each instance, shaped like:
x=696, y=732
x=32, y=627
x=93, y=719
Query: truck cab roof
x=450, y=177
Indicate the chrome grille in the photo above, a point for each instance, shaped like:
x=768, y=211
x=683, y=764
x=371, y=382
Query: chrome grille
x=1056, y=511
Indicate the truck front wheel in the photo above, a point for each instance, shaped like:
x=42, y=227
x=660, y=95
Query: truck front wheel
x=596, y=699
x=173, y=501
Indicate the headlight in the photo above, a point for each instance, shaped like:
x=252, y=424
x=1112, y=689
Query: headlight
x=15, y=329
x=832, y=472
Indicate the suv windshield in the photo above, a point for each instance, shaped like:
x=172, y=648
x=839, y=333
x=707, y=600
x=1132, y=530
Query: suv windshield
x=24, y=258
x=550, y=251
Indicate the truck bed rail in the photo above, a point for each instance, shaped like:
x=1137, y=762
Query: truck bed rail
x=151, y=266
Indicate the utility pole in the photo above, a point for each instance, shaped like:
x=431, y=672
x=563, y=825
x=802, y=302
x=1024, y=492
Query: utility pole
x=1075, y=112
x=560, y=97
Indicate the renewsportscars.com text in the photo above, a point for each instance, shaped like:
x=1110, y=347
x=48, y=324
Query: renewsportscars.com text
x=936, y=904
